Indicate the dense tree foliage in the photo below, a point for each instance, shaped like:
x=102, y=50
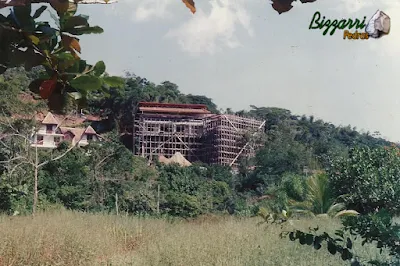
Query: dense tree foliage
x=29, y=41
x=291, y=145
x=366, y=181
x=36, y=57
x=109, y=178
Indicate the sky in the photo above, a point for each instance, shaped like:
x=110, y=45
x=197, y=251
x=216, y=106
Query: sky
x=242, y=53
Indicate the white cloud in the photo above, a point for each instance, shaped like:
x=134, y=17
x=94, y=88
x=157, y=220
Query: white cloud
x=149, y=9
x=354, y=6
x=208, y=33
x=142, y=10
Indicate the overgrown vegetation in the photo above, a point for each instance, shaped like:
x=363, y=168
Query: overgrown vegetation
x=73, y=238
x=368, y=182
x=305, y=167
x=80, y=182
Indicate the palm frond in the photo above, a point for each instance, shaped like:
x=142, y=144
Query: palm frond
x=346, y=213
x=305, y=205
x=335, y=208
x=302, y=212
x=319, y=194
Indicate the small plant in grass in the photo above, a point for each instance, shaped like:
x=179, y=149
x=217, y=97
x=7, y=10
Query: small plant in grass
x=377, y=228
x=320, y=200
x=368, y=181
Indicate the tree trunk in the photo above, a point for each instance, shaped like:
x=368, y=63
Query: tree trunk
x=35, y=193
x=116, y=203
x=35, y=188
x=158, y=199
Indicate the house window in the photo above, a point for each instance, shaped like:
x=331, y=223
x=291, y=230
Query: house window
x=57, y=140
x=39, y=140
x=49, y=128
x=89, y=137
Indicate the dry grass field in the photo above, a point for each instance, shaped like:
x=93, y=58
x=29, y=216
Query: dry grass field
x=71, y=238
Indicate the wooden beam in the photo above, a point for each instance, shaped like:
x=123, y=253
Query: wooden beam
x=244, y=147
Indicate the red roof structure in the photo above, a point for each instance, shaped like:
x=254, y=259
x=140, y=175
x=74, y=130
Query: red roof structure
x=50, y=119
x=89, y=130
x=163, y=129
x=172, y=108
x=172, y=105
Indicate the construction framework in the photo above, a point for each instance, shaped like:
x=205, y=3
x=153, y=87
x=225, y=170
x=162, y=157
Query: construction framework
x=165, y=129
x=225, y=138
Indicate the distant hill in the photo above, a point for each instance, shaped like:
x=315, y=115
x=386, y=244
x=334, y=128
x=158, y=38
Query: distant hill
x=118, y=109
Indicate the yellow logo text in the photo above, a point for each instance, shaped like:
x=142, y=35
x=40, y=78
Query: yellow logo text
x=355, y=36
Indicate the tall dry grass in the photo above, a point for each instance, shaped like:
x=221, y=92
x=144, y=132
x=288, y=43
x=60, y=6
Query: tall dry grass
x=70, y=238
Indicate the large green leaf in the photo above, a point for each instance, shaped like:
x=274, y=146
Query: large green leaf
x=39, y=11
x=114, y=81
x=86, y=83
x=99, y=68
x=74, y=68
x=17, y=57
x=82, y=65
x=64, y=57
x=75, y=95
x=32, y=59
x=85, y=30
x=78, y=67
x=65, y=60
x=332, y=248
x=76, y=21
x=22, y=16
x=346, y=213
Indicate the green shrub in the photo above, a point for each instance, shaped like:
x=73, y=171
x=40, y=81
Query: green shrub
x=368, y=180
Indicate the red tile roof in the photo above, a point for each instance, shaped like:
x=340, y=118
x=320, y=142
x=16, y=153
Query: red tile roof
x=67, y=120
x=50, y=119
x=90, y=130
x=77, y=132
x=172, y=105
x=173, y=110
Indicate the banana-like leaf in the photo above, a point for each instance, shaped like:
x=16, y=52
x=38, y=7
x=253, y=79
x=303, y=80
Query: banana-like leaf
x=335, y=208
x=304, y=212
x=346, y=213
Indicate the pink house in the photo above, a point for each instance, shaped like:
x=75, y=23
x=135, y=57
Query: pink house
x=51, y=133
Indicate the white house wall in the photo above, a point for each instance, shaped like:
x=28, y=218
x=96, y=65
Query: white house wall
x=84, y=141
x=48, y=141
x=43, y=129
x=48, y=138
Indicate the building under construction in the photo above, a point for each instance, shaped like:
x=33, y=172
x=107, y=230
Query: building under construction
x=227, y=138
x=165, y=129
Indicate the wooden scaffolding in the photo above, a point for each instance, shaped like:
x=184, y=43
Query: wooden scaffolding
x=225, y=138
x=164, y=129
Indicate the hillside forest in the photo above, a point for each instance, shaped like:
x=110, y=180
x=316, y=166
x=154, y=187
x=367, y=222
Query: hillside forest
x=305, y=170
x=108, y=178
